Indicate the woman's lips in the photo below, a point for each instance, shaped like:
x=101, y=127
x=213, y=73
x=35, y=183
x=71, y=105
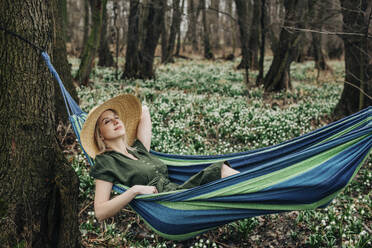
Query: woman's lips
x=118, y=127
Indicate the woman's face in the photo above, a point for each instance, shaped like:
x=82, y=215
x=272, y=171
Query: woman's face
x=111, y=127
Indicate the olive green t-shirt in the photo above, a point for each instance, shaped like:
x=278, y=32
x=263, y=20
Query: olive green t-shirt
x=117, y=168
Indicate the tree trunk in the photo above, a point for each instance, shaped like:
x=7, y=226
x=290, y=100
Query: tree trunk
x=358, y=66
x=39, y=187
x=178, y=47
x=242, y=11
x=153, y=22
x=164, y=39
x=104, y=54
x=192, y=26
x=91, y=46
x=263, y=41
x=318, y=9
x=278, y=77
x=132, y=62
x=215, y=26
x=175, y=26
x=253, y=46
x=207, y=46
x=86, y=25
x=61, y=63
x=228, y=32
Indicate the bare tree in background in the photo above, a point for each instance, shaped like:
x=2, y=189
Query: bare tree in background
x=278, y=76
x=193, y=12
x=174, y=30
x=104, y=54
x=357, y=16
x=153, y=30
x=60, y=61
x=91, y=45
x=318, y=15
x=206, y=33
x=242, y=11
x=143, y=37
x=214, y=21
x=132, y=61
x=178, y=46
x=253, y=44
x=86, y=23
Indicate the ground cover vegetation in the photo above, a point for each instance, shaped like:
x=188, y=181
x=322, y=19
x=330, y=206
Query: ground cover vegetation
x=205, y=108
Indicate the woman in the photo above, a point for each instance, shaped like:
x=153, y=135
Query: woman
x=108, y=135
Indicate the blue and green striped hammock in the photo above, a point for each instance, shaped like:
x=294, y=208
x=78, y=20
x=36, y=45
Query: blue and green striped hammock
x=303, y=173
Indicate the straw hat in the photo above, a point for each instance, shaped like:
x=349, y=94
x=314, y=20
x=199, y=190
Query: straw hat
x=129, y=109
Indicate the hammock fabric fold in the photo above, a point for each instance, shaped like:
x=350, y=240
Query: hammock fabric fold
x=303, y=173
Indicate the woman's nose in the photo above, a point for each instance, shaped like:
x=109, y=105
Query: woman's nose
x=115, y=121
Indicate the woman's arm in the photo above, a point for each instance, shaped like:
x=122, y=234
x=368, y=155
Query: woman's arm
x=105, y=208
x=144, y=128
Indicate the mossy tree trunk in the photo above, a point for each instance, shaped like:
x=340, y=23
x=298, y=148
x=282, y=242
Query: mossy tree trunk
x=278, y=77
x=104, y=54
x=38, y=186
x=91, y=46
x=358, y=63
x=60, y=61
x=208, y=54
x=242, y=11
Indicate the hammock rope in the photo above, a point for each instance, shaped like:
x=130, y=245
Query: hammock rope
x=306, y=172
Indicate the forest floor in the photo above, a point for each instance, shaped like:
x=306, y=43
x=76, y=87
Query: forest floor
x=224, y=115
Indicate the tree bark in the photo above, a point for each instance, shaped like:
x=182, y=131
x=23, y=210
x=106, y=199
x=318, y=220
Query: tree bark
x=358, y=65
x=175, y=27
x=104, y=54
x=207, y=46
x=253, y=46
x=91, y=46
x=278, y=76
x=317, y=9
x=215, y=24
x=242, y=11
x=194, y=20
x=178, y=46
x=39, y=187
x=86, y=25
x=153, y=22
x=61, y=63
x=132, y=62
x=228, y=32
x=263, y=43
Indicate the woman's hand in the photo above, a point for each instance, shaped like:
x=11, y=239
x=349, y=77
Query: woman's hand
x=143, y=189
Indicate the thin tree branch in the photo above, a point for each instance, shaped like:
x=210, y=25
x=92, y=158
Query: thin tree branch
x=326, y=32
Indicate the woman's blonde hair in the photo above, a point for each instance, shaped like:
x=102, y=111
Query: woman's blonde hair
x=99, y=141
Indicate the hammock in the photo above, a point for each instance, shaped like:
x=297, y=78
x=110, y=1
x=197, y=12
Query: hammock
x=303, y=173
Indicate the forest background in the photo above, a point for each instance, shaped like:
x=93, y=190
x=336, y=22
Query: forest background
x=316, y=53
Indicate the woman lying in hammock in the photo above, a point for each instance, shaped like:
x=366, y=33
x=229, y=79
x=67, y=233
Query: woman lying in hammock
x=117, y=134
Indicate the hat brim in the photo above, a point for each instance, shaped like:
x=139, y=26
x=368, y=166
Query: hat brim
x=129, y=109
